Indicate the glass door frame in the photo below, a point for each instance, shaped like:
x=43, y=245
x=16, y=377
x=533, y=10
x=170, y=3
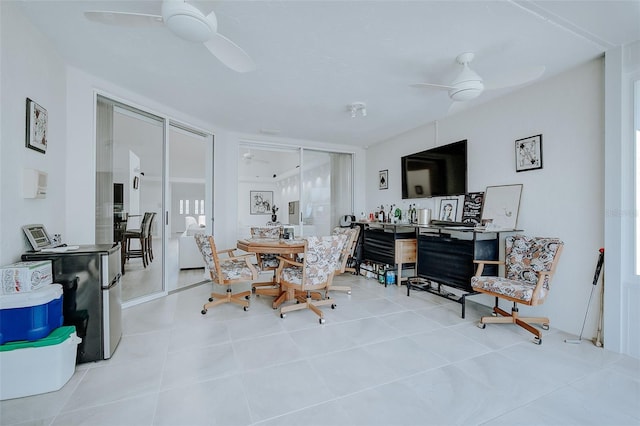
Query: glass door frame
x=266, y=146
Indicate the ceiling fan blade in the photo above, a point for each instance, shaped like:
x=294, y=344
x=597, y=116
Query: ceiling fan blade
x=456, y=107
x=124, y=19
x=516, y=78
x=434, y=86
x=230, y=53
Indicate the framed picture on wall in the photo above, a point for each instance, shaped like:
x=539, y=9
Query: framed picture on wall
x=529, y=153
x=260, y=202
x=37, y=121
x=383, y=179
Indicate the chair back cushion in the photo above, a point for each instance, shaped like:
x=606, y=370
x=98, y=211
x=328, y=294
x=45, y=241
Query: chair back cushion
x=526, y=256
x=266, y=232
x=321, y=258
x=208, y=252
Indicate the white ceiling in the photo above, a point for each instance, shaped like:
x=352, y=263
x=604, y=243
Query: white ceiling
x=315, y=57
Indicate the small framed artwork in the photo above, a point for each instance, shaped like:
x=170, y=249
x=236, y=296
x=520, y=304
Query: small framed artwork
x=260, y=202
x=448, y=210
x=529, y=153
x=37, y=119
x=383, y=179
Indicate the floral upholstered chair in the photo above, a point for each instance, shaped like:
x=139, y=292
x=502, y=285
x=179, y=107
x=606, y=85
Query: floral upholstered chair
x=226, y=271
x=314, y=274
x=267, y=261
x=529, y=266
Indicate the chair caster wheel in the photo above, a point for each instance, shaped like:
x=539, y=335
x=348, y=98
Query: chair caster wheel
x=253, y=290
x=349, y=292
x=203, y=312
x=247, y=297
x=545, y=326
x=283, y=315
x=321, y=320
x=482, y=325
x=537, y=340
x=211, y=299
x=333, y=306
x=246, y=308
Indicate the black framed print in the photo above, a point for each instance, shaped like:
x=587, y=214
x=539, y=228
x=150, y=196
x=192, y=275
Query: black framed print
x=260, y=202
x=448, y=209
x=529, y=153
x=37, y=121
x=383, y=179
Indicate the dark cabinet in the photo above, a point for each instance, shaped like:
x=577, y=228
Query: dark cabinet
x=449, y=260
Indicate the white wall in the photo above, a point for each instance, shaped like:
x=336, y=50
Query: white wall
x=564, y=199
x=30, y=68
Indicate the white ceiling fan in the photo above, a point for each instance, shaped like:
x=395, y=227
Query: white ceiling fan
x=249, y=157
x=469, y=85
x=188, y=23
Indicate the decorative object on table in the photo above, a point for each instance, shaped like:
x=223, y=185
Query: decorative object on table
x=37, y=120
x=274, y=215
x=472, y=208
x=383, y=179
x=260, y=202
x=448, y=209
x=530, y=264
x=500, y=207
x=529, y=153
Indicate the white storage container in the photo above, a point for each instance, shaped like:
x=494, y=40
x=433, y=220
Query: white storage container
x=45, y=365
x=23, y=277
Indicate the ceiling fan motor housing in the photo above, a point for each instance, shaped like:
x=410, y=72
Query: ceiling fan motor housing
x=188, y=22
x=468, y=85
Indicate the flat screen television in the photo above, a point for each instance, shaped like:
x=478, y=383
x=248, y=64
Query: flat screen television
x=436, y=172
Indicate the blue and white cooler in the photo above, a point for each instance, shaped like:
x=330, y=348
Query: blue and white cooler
x=31, y=315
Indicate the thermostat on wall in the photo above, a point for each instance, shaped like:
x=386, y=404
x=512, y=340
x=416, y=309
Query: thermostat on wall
x=34, y=183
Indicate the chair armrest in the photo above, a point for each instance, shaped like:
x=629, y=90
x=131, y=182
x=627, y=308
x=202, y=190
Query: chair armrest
x=228, y=251
x=535, y=297
x=240, y=257
x=289, y=261
x=489, y=262
x=481, y=263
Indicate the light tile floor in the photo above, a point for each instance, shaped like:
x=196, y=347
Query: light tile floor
x=381, y=358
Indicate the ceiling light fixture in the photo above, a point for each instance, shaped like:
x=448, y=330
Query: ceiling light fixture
x=357, y=107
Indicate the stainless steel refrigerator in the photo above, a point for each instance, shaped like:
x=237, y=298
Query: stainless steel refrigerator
x=92, y=300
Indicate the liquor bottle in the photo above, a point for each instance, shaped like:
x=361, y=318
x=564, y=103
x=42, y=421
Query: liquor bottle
x=381, y=214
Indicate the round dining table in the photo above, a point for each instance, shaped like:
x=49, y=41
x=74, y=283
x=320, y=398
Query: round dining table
x=276, y=246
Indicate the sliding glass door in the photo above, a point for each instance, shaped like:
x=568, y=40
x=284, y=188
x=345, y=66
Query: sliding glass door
x=310, y=189
x=129, y=187
x=189, y=202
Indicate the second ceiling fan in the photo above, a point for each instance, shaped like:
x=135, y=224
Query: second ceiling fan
x=468, y=85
